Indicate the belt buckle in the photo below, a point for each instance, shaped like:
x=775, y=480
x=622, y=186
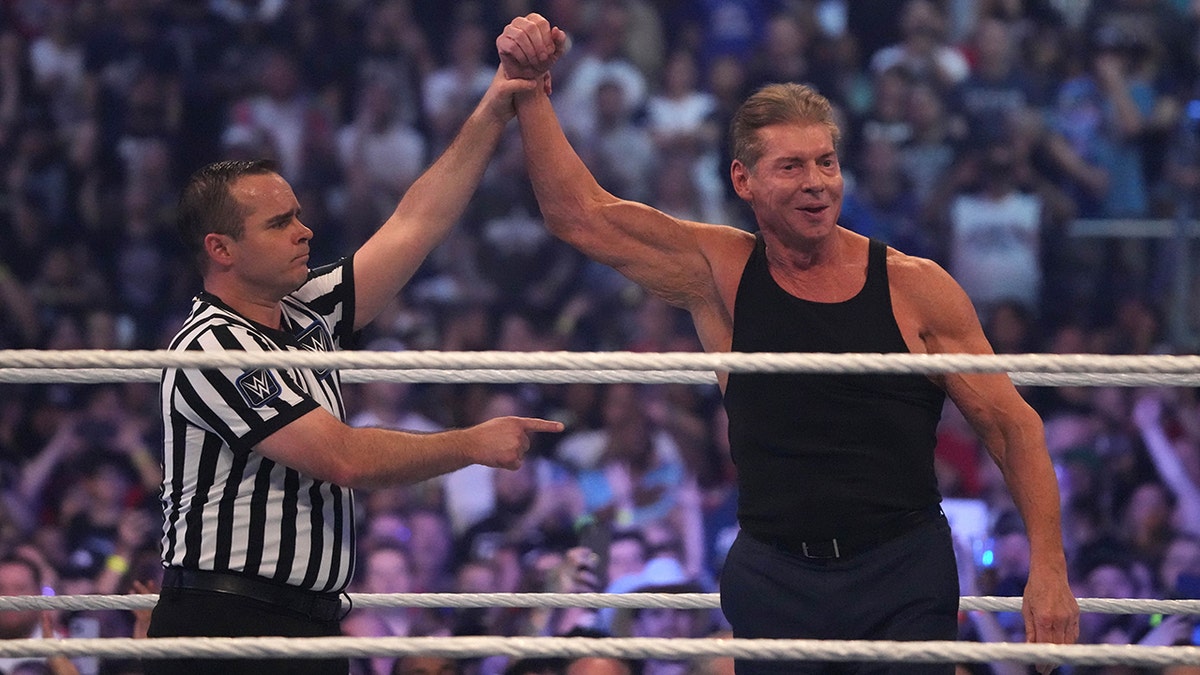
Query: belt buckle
x=836, y=551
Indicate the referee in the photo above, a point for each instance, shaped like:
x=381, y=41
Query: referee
x=259, y=466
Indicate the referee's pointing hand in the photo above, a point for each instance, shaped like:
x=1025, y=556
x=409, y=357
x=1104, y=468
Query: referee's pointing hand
x=503, y=441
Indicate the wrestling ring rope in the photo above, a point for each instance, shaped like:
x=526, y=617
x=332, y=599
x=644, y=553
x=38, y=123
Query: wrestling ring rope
x=91, y=366
x=98, y=366
x=584, y=600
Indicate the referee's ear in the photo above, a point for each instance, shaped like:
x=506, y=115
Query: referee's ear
x=217, y=250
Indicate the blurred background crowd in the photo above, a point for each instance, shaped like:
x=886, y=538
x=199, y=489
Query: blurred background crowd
x=978, y=133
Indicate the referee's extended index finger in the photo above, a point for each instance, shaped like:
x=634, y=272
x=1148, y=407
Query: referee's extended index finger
x=538, y=424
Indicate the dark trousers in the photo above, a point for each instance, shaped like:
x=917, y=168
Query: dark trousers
x=903, y=589
x=193, y=613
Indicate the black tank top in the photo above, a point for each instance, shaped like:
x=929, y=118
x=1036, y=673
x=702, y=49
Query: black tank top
x=822, y=456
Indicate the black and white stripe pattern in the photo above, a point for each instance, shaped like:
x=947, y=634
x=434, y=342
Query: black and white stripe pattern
x=226, y=507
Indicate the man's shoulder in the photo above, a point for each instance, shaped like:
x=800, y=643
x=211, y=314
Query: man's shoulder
x=213, y=326
x=324, y=278
x=911, y=267
x=724, y=244
x=922, y=285
x=327, y=288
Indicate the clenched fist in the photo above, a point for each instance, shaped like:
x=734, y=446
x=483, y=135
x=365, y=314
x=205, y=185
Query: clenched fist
x=529, y=46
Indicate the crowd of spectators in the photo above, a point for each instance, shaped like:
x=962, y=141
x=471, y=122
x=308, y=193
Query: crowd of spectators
x=975, y=132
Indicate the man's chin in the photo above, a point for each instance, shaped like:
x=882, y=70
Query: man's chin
x=300, y=282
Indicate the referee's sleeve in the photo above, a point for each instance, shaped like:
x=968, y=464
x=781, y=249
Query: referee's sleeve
x=329, y=292
x=242, y=406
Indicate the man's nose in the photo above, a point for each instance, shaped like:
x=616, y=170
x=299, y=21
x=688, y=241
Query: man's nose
x=810, y=178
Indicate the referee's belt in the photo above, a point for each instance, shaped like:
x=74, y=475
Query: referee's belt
x=840, y=548
x=311, y=604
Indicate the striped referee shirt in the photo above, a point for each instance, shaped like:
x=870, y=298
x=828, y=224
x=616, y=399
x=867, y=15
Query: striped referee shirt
x=226, y=507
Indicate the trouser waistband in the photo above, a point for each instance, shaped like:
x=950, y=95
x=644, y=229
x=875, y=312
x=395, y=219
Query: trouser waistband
x=312, y=604
x=851, y=544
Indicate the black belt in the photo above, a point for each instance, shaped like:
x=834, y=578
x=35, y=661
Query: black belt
x=311, y=604
x=824, y=550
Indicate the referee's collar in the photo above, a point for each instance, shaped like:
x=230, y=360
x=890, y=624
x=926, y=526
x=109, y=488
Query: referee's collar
x=282, y=337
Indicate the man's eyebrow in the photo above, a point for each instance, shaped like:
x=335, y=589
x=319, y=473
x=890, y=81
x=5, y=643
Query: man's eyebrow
x=797, y=158
x=283, y=217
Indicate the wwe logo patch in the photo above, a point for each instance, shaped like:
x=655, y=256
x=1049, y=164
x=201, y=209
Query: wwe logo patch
x=258, y=387
x=316, y=340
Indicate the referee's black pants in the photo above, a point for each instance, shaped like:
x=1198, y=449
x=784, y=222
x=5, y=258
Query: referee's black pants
x=185, y=612
x=903, y=589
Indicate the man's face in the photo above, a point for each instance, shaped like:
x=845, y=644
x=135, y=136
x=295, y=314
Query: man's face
x=272, y=253
x=17, y=579
x=796, y=187
x=388, y=572
x=625, y=556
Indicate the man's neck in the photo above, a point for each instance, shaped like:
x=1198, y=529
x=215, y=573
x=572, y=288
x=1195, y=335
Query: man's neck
x=795, y=255
x=832, y=269
x=260, y=310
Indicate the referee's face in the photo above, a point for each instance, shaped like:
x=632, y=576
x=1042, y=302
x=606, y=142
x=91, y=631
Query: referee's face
x=271, y=256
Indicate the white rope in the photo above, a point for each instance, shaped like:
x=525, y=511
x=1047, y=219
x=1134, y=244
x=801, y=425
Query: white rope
x=631, y=648
x=588, y=600
x=510, y=376
x=92, y=366
x=451, y=376
x=820, y=650
x=725, y=361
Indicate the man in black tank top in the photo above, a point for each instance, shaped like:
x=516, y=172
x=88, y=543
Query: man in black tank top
x=841, y=534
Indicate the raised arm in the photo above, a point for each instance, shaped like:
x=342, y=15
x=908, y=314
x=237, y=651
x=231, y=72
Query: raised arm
x=672, y=258
x=1148, y=416
x=320, y=445
x=931, y=305
x=434, y=203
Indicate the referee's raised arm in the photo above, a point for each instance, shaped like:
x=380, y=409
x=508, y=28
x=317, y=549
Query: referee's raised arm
x=434, y=203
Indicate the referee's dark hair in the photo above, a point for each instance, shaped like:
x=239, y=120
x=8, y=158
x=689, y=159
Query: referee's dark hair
x=206, y=204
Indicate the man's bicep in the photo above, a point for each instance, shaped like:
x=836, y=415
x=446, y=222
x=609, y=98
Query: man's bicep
x=307, y=444
x=939, y=310
x=989, y=401
x=665, y=255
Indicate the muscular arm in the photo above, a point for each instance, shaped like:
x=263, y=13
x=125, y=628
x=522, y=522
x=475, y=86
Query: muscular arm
x=931, y=305
x=679, y=261
x=320, y=445
x=670, y=257
x=431, y=207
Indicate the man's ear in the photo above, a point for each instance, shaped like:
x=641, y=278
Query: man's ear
x=739, y=174
x=217, y=249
